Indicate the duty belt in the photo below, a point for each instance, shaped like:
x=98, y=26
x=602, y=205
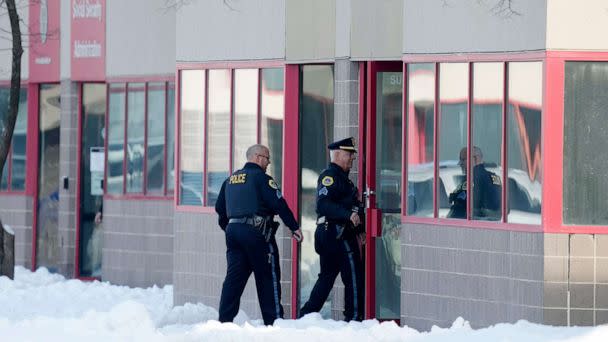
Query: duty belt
x=245, y=220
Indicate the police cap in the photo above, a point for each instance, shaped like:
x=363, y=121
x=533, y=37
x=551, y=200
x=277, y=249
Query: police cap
x=347, y=144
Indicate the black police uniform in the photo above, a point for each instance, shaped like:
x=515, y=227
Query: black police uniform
x=487, y=190
x=247, y=199
x=336, y=240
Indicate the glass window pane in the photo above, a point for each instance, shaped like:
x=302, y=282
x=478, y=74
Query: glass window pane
x=218, y=133
x=18, y=145
x=170, y=138
x=388, y=134
x=453, y=124
x=273, y=114
x=420, y=133
x=192, y=130
x=316, y=132
x=155, y=150
x=116, y=138
x=524, y=195
x=245, y=126
x=49, y=239
x=91, y=199
x=4, y=97
x=135, y=137
x=485, y=161
x=585, y=178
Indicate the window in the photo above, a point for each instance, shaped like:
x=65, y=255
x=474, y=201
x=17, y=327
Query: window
x=502, y=133
x=222, y=113
x=13, y=175
x=420, y=130
x=138, y=141
x=585, y=179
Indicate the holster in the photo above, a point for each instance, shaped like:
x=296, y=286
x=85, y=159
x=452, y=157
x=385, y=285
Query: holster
x=269, y=228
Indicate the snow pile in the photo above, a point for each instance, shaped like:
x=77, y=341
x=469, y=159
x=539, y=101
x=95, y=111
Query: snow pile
x=41, y=306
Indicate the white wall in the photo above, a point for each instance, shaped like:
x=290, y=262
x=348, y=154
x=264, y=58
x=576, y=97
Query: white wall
x=6, y=42
x=447, y=26
x=577, y=25
x=223, y=30
x=140, y=38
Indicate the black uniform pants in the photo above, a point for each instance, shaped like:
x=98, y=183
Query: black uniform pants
x=247, y=252
x=337, y=256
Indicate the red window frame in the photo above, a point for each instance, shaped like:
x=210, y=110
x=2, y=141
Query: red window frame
x=9, y=157
x=143, y=195
x=470, y=59
x=231, y=67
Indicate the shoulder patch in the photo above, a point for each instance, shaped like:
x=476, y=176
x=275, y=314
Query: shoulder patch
x=323, y=191
x=327, y=180
x=273, y=184
x=496, y=180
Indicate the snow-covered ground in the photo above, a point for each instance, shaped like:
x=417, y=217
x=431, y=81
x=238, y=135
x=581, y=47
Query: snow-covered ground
x=46, y=307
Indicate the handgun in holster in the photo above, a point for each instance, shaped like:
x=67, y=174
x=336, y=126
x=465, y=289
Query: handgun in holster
x=269, y=228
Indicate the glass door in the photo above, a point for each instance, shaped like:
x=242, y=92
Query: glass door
x=48, y=240
x=92, y=167
x=383, y=165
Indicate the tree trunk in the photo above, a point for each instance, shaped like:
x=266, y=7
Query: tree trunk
x=6, y=135
x=7, y=252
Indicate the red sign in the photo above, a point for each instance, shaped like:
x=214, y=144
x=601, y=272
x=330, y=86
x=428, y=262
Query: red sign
x=44, y=41
x=88, y=42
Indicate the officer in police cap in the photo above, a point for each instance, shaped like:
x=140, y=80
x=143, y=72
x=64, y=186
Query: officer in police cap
x=246, y=205
x=339, y=222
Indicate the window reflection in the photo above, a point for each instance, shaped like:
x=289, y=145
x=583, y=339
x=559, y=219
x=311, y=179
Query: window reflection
x=170, y=138
x=485, y=161
x=116, y=138
x=272, y=116
x=245, y=126
x=135, y=137
x=155, y=156
x=523, y=142
x=192, y=136
x=585, y=178
x=420, y=131
x=18, y=145
x=316, y=132
x=48, y=240
x=218, y=133
x=15, y=160
x=453, y=107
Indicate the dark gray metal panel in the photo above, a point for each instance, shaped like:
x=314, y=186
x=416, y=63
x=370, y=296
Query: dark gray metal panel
x=230, y=30
x=138, y=242
x=472, y=26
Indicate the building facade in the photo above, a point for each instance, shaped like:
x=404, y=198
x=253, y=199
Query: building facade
x=141, y=109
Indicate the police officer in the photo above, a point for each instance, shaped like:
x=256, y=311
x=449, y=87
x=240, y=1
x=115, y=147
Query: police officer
x=339, y=217
x=246, y=205
x=487, y=189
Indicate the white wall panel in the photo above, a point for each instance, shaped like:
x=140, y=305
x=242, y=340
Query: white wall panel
x=311, y=30
x=221, y=30
x=377, y=29
x=447, y=26
x=140, y=38
x=577, y=25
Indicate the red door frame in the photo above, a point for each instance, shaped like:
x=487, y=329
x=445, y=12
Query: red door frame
x=373, y=215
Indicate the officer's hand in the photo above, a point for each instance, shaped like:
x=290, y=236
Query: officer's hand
x=297, y=235
x=354, y=218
